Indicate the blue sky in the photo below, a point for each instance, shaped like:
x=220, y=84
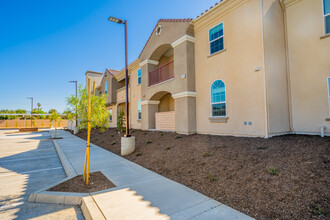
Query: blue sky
x=44, y=44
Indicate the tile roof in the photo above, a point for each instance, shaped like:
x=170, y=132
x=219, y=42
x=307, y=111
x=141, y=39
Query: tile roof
x=209, y=8
x=112, y=72
x=165, y=20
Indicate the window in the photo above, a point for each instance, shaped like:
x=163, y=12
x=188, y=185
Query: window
x=326, y=13
x=218, y=99
x=110, y=114
x=139, y=76
x=139, y=109
x=216, y=39
x=329, y=93
x=106, y=87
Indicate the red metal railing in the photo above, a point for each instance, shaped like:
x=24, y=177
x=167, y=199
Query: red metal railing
x=161, y=74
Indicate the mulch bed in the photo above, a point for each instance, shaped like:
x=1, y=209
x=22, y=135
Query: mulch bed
x=285, y=177
x=97, y=182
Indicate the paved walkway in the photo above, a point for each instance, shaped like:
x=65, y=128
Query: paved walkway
x=28, y=162
x=141, y=193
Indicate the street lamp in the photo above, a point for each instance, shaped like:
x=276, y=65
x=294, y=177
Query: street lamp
x=120, y=21
x=31, y=108
x=75, y=81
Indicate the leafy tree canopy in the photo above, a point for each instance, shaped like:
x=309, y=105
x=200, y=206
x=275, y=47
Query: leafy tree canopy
x=99, y=116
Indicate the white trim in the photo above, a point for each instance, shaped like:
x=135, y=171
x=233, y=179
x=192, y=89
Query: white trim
x=223, y=37
x=183, y=39
x=150, y=102
x=93, y=75
x=324, y=18
x=147, y=61
x=184, y=94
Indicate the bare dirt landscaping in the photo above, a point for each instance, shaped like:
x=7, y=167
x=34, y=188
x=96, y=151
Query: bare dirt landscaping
x=97, y=182
x=285, y=177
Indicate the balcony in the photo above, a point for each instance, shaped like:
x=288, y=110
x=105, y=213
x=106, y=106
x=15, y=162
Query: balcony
x=161, y=74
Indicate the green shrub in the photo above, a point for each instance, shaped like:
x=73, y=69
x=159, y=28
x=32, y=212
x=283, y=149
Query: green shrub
x=113, y=143
x=207, y=154
x=177, y=137
x=148, y=142
x=138, y=154
x=167, y=148
x=316, y=210
x=261, y=147
x=212, y=177
x=272, y=171
x=120, y=122
x=161, y=134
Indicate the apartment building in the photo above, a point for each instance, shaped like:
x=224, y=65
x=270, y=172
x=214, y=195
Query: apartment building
x=245, y=68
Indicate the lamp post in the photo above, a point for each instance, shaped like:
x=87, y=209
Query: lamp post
x=120, y=21
x=75, y=81
x=31, y=108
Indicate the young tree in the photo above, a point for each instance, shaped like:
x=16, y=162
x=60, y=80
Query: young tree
x=99, y=116
x=55, y=117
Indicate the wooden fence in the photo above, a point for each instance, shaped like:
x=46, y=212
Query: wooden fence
x=40, y=123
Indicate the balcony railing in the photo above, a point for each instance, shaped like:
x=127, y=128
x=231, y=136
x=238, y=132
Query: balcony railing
x=161, y=74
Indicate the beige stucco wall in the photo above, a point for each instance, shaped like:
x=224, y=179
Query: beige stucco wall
x=275, y=68
x=135, y=95
x=235, y=66
x=309, y=66
x=166, y=103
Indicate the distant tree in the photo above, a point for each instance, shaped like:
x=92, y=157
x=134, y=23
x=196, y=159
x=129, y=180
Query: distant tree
x=51, y=111
x=68, y=115
x=39, y=111
x=99, y=116
x=39, y=105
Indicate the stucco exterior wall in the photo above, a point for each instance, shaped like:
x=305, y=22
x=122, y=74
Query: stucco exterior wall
x=135, y=95
x=235, y=66
x=275, y=68
x=309, y=66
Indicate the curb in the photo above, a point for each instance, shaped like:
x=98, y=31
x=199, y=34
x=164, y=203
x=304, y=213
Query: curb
x=90, y=209
x=69, y=170
x=86, y=202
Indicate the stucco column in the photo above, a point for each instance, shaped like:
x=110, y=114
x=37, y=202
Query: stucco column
x=148, y=108
x=185, y=112
x=184, y=62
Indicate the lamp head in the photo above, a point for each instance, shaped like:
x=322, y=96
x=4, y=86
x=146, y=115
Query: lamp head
x=116, y=20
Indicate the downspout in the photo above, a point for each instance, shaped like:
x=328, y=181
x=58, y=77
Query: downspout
x=264, y=71
x=287, y=67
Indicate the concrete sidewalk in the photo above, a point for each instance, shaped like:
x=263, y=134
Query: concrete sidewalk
x=140, y=193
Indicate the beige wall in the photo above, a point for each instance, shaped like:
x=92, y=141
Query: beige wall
x=135, y=95
x=166, y=103
x=309, y=66
x=156, y=48
x=235, y=66
x=275, y=68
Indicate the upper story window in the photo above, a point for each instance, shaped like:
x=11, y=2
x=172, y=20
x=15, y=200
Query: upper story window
x=326, y=13
x=110, y=114
x=218, y=99
x=216, y=38
x=139, y=76
x=106, y=87
x=139, y=109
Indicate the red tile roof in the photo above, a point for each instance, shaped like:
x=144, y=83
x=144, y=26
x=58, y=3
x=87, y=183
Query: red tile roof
x=165, y=20
x=111, y=71
x=209, y=9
